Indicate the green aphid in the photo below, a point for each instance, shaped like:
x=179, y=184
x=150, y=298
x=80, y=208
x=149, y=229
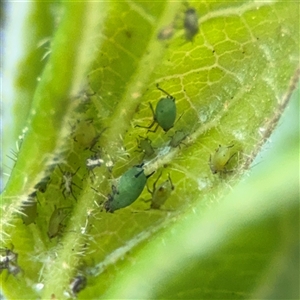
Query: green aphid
x=220, y=159
x=130, y=186
x=160, y=194
x=85, y=134
x=165, y=113
x=145, y=146
x=56, y=221
x=29, y=209
x=177, y=138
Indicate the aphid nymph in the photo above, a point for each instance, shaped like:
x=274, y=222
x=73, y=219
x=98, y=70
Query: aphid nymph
x=161, y=193
x=191, y=25
x=130, y=186
x=166, y=32
x=56, y=221
x=177, y=138
x=145, y=146
x=67, y=182
x=29, y=209
x=165, y=113
x=220, y=159
x=93, y=162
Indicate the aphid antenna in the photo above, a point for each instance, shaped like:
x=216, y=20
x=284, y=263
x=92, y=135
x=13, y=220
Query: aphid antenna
x=165, y=92
x=96, y=139
x=179, y=118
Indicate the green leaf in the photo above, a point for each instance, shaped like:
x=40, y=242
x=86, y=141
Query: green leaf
x=231, y=82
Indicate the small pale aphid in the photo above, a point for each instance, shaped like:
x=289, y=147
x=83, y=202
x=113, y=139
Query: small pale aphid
x=85, y=133
x=145, y=146
x=67, y=182
x=191, y=25
x=161, y=193
x=29, y=209
x=56, y=221
x=93, y=162
x=177, y=138
x=166, y=32
x=165, y=113
x=130, y=186
x=77, y=284
x=220, y=159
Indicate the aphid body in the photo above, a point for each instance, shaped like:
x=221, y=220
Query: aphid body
x=177, y=138
x=29, y=209
x=56, y=221
x=191, y=25
x=9, y=261
x=130, y=186
x=166, y=32
x=67, y=183
x=161, y=194
x=93, y=162
x=145, y=145
x=220, y=159
x=165, y=113
x=85, y=134
x=77, y=284
x=6, y=257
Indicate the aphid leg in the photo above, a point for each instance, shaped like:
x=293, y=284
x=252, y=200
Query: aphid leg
x=154, y=129
x=154, y=184
x=64, y=190
x=153, y=122
x=172, y=185
x=114, y=190
x=229, y=171
x=71, y=191
x=75, y=171
x=95, y=140
x=148, y=189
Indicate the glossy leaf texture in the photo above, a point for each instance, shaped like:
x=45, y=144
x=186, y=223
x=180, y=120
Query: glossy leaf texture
x=231, y=82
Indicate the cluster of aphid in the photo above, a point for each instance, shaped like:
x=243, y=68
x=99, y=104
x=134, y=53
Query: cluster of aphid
x=133, y=181
x=131, y=184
